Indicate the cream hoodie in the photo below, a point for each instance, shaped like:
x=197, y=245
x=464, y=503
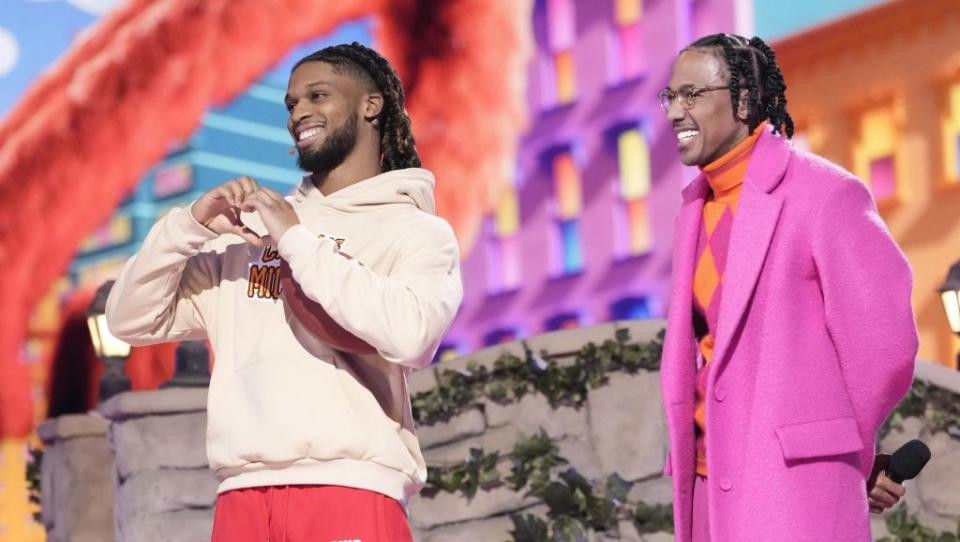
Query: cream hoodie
x=284, y=407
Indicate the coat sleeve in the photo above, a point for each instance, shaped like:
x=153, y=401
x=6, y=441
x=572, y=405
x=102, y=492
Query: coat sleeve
x=165, y=291
x=866, y=284
x=404, y=315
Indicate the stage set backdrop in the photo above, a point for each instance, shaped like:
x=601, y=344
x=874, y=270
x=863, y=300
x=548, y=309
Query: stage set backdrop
x=538, y=117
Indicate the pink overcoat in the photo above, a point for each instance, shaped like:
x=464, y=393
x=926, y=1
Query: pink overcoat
x=815, y=346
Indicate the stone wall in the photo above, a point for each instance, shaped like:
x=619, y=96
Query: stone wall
x=77, y=479
x=934, y=496
x=153, y=455
x=620, y=429
x=163, y=489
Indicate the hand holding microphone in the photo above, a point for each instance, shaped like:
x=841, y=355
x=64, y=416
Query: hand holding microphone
x=890, y=471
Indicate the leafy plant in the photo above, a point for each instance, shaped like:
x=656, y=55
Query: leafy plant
x=511, y=377
x=937, y=407
x=33, y=480
x=905, y=527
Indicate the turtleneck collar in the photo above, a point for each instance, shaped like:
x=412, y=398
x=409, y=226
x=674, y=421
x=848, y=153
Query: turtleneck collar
x=725, y=174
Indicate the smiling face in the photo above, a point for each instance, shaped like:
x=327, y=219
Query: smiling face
x=324, y=104
x=709, y=129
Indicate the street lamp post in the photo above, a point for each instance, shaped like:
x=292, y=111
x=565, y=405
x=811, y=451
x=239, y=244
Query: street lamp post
x=950, y=296
x=110, y=349
x=192, y=366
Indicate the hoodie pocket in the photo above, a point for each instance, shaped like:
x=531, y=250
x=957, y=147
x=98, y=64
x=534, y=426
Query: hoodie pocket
x=284, y=410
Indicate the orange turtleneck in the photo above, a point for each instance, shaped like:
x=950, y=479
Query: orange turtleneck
x=725, y=176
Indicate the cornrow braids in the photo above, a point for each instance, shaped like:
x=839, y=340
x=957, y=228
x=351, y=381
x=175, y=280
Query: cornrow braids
x=398, y=149
x=753, y=67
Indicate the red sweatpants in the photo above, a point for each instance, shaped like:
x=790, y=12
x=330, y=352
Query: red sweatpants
x=308, y=514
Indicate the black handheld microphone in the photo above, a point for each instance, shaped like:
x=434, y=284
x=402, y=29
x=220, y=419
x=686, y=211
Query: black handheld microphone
x=907, y=462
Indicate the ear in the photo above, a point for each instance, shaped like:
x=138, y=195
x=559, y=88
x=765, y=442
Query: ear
x=743, y=107
x=372, y=106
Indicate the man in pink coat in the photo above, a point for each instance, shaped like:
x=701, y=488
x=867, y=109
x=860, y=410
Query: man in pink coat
x=790, y=335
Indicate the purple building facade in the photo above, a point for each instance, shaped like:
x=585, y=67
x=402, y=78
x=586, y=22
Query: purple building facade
x=584, y=234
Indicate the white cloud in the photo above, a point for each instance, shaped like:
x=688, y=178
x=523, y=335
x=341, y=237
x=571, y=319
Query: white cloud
x=9, y=51
x=94, y=7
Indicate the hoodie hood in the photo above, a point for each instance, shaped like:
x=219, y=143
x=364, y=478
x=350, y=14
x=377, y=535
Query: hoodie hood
x=412, y=186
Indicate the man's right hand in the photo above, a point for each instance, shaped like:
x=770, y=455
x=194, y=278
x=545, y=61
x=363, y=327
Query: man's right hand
x=219, y=209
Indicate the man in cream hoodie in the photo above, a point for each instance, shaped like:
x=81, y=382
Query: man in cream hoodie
x=317, y=306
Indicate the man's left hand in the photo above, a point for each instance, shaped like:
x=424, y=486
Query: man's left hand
x=276, y=212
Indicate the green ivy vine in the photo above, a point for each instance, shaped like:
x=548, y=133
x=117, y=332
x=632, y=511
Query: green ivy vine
x=904, y=527
x=575, y=506
x=937, y=407
x=511, y=377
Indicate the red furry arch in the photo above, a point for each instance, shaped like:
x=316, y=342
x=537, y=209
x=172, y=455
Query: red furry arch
x=86, y=131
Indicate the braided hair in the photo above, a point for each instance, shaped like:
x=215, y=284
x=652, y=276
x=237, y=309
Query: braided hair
x=397, y=146
x=753, y=67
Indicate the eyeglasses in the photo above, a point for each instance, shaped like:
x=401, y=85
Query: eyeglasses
x=687, y=96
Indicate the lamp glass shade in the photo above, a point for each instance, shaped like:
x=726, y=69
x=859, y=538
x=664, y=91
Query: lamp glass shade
x=951, y=304
x=106, y=345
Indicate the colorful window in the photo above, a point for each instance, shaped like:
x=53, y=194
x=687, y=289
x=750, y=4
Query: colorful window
x=631, y=308
x=503, y=243
x=561, y=25
x=951, y=133
x=564, y=320
x=172, y=179
x=633, y=188
x=567, y=206
x=625, y=42
x=874, y=153
x=115, y=231
x=558, y=73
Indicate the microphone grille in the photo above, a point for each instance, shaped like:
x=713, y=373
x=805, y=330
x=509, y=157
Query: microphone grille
x=907, y=462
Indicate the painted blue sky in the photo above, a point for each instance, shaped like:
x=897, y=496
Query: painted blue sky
x=27, y=47
x=34, y=33
x=778, y=18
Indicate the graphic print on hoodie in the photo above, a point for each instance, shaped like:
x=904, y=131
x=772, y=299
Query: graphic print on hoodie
x=263, y=281
x=283, y=406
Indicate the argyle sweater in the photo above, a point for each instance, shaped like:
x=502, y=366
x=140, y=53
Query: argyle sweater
x=725, y=176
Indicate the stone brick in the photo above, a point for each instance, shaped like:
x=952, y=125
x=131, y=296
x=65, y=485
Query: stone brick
x=878, y=527
x=625, y=532
x=422, y=380
x=911, y=428
x=655, y=491
x=570, y=340
x=444, y=508
x=182, y=526
x=73, y=425
x=533, y=413
x=658, y=537
x=482, y=530
x=77, y=482
x=627, y=425
x=464, y=425
x=166, y=401
x=154, y=442
x=641, y=330
x=937, y=484
x=167, y=490
x=579, y=451
x=485, y=357
x=628, y=533
x=499, y=439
